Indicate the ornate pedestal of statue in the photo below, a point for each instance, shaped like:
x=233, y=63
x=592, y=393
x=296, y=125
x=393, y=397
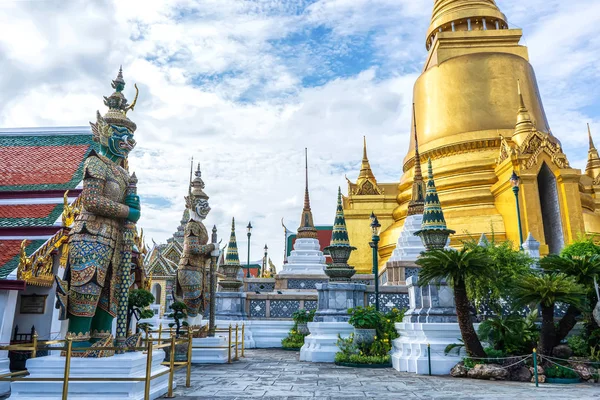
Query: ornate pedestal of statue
x=119, y=366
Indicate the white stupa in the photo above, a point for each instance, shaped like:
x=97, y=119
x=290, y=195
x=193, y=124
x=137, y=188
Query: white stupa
x=409, y=246
x=307, y=257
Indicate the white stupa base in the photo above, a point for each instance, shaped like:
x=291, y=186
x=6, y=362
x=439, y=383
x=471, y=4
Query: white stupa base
x=321, y=344
x=409, y=351
x=119, y=366
x=211, y=350
x=409, y=246
x=306, y=259
x=268, y=334
x=4, y=369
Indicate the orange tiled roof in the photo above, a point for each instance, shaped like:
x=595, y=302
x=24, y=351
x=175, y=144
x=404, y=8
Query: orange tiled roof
x=26, y=210
x=35, y=165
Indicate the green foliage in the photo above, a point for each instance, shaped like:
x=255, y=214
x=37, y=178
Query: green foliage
x=454, y=347
x=469, y=363
x=511, y=334
x=137, y=303
x=581, y=247
x=595, y=353
x=380, y=348
x=547, y=289
x=579, y=345
x=364, y=317
x=557, y=371
x=179, y=312
x=294, y=339
x=453, y=266
x=583, y=268
x=506, y=266
x=362, y=359
x=303, y=316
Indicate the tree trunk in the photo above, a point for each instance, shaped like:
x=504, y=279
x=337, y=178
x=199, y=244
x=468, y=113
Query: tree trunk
x=566, y=323
x=548, y=332
x=465, y=322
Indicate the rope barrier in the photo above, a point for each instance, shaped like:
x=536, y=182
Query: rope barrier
x=560, y=365
x=572, y=361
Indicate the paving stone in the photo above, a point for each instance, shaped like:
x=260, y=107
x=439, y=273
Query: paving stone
x=276, y=374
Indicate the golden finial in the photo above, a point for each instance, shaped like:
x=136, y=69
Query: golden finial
x=130, y=107
x=590, y=138
x=69, y=212
x=25, y=263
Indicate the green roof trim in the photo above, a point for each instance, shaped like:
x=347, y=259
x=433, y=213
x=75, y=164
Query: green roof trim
x=13, y=263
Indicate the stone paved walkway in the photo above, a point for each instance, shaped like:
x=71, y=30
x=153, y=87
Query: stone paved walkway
x=277, y=374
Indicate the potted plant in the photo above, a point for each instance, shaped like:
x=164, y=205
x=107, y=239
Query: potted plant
x=137, y=303
x=179, y=313
x=365, y=321
x=302, y=317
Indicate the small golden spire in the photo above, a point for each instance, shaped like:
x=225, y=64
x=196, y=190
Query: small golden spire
x=307, y=228
x=417, y=201
x=590, y=138
x=592, y=168
x=524, y=123
x=365, y=168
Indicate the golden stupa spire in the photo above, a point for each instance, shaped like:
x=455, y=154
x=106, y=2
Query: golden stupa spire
x=465, y=15
x=417, y=201
x=524, y=123
x=592, y=168
x=365, y=167
x=307, y=229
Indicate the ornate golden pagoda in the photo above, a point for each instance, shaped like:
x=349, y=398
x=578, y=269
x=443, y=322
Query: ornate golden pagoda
x=480, y=118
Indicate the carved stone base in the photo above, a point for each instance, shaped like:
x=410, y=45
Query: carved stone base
x=230, y=306
x=321, y=344
x=336, y=298
x=119, y=366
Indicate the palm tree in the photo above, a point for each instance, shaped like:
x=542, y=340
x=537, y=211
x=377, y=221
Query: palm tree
x=584, y=269
x=546, y=290
x=456, y=267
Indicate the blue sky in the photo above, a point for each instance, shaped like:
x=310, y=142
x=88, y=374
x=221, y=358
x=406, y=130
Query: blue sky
x=245, y=85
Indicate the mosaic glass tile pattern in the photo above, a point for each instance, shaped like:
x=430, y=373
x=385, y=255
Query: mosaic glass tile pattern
x=284, y=308
x=304, y=283
x=387, y=301
x=261, y=287
x=258, y=308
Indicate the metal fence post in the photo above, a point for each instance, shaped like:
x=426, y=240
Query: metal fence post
x=148, y=370
x=535, y=369
x=65, y=391
x=236, y=342
x=229, y=347
x=188, y=375
x=34, y=343
x=171, y=366
x=429, y=357
x=243, y=335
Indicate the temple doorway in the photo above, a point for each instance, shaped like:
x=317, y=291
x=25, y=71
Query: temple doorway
x=156, y=292
x=550, y=206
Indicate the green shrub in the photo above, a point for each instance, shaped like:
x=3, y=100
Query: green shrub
x=362, y=359
x=364, y=317
x=557, y=371
x=581, y=247
x=579, y=346
x=494, y=356
x=303, y=316
x=294, y=339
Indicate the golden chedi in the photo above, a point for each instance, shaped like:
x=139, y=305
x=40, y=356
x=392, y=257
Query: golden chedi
x=479, y=117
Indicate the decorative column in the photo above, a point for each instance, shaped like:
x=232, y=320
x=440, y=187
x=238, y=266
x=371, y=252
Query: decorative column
x=434, y=232
x=230, y=301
